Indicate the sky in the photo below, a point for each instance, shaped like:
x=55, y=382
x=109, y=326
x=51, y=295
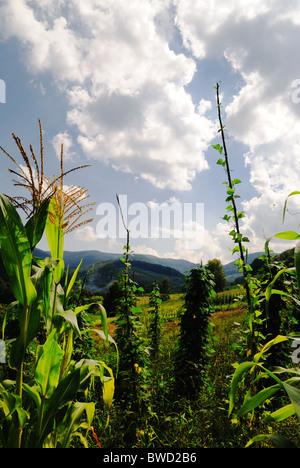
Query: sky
x=128, y=88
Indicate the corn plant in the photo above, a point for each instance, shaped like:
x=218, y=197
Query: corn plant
x=257, y=371
x=46, y=410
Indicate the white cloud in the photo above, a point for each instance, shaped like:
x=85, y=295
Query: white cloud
x=65, y=139
x=259, y=39
x=124, y=84
x=127, y=90
x=86, y=234
x=145, y=250
x=155, y=133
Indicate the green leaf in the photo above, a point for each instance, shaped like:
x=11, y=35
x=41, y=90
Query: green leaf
x=71, y=284
x=30, y=321
x=33, y=392
x=108, y=392
x=71, y=318
x=56, y=297
x=55, y=238
x=278, y=440
x=294, y=395
x=258, y=399
x=218, y=148
x=73, y=420
x=236, y=181
x=48, y=366
x=102, y=311
x=282, y=413
x=277, y=340
x=239, y=262
x=65, y=391
x=35, y=226
x=110, y=340
x=16, y=252
x=290, y=195
x=63, y=394
x=237, y=377
x=288, y=235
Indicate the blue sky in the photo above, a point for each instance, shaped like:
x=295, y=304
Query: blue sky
x=129, y=89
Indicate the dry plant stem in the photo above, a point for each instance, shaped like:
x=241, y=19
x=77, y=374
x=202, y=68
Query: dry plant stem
x=233, y=200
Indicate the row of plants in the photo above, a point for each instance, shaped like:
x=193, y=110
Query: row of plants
x=227, y=298
x=156, y=372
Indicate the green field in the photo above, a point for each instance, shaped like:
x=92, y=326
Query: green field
x=203, y=422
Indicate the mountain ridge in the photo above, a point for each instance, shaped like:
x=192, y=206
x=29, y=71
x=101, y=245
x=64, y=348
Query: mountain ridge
x=72, y=258
x=100, y=269
x=92, y=257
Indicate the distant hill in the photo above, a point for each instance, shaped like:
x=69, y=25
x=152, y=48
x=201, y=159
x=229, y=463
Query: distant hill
x=100, y=275
x=232, y=271
x=92, y=256
x=101, y=268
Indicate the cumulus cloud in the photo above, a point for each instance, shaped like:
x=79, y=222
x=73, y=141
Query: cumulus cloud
x=125, y=86
x=65, y=139
x=127, y=89
x=86, y=234
x=259, y=40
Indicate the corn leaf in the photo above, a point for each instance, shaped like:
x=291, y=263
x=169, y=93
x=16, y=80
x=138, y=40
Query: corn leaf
x=282, y=413
x=237, y=377
x=278, y=440
x=71, y=318
x=71, y=284
x=294, y=395
x=258, y=399
x=73, y=421
x=36, y=224
x=48, y=366
x=16, y=252
x=285, y=203
x=55, y=238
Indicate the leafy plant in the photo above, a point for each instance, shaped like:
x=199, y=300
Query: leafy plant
x=264, y=317
x=257, y=372
x=216, y=268
x=191, y=355
x=155, y=321
x=131, y=343
x=44, y=411
x=232, y=210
